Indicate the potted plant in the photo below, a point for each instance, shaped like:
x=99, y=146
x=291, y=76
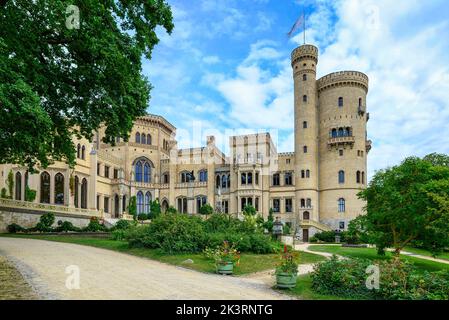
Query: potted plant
x=287, y=270
x=225, y=256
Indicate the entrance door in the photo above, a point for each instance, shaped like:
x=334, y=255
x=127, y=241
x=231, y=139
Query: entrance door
x=305, y=235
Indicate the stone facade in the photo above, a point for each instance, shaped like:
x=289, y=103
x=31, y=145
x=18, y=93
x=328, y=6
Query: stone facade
x=312, y=189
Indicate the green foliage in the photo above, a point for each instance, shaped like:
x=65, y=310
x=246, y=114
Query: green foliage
x=142, y=217
x=10, y=184
x=30, y=194
x=288, y=262
x=173, y=234
x=171, y=210
x=98, y=69
x=132, y=207
x=4, y=194
x=223, y=254
x=206, y=210
x=66, y=226
x=329, y=236
x=398, y=280
x=45, y=223
x=270, y=221
x=14, y=228
x=409, y=202
x=155, y=209
x=249, y=210
x=123, y=224
x=357, y=232
x=95, y=225
x=437, y=159
x=286, y=229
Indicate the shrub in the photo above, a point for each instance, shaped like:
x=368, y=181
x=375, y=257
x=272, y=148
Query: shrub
x=4, y=194
x=261, y=243
x=66, y=226
x=45, y=223
x=118, y=234
x=14, y=228
x=329, y=236
x=30, y=194
x=173, y=234
x=95, y=225
x=136, y=235
x=171, y=210
x=132, y=207
x=206, y=210
x=142, y=217
x=122, y=225
x=155, y=209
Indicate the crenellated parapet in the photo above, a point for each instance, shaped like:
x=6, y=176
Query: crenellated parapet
x=345, y=79
x=305, y=52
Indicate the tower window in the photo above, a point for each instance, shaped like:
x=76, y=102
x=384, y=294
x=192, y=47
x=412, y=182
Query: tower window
x=340, y=102
x=341, y=176
x=307, y=173
x=304, y=98
x=305, y=149
x=341, y=205
x=303, y=174
x=276, y=179
x=304, y=125
x=358, y=177
x=304, y=77
x=340, y=152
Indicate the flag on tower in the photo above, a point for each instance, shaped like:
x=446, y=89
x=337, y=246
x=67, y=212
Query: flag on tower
x=298, y=24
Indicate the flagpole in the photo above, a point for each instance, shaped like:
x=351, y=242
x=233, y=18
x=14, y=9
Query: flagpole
x=304, y=18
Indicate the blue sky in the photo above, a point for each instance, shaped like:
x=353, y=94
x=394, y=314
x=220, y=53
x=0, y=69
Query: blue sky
x=225, y=69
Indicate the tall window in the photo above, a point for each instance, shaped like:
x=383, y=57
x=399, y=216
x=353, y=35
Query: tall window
x=304, y=98
x=45, y=187
x=276, y=205
x=217, y=181
x=77, y=195
x=59, y=188
x=137, y=137
x=224, y=181
x=148, y=202
x=143, y=138
x=106, y=204
x=303, y=203
x=78, y=151
x=360, y=102
x=309, y=203
x=138, y=169
x=304, y=77
x=106, y=171
x=83, y=153
x=250, y=178
x=203, y=175
x=341, y=205
x=288, y=205
x=166, y=178
x=358, y=177
x=243, y=178
x=146, y=173
x=84, y=194
x=307, y=173
x=229, y=181
x=304, y=125
x=149, y=140
x=334, y=133
x=303, y=174
x=18, y=186
x=276, y=180
x=200, y=201
x=340, y=102
x=341, y=176
x=305, y=149
x=288, y=179
x=182, y=205
x=140, y=202
x=257, y=178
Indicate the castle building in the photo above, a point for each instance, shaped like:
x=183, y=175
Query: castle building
x=312, y=189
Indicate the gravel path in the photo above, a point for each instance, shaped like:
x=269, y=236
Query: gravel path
x=106, y=274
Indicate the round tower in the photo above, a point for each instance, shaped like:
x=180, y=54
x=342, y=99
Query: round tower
x=343, y=146
x=304, y=64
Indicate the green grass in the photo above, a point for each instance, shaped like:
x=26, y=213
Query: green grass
x=371, y=254
x=249, y=263
x=13, y=286
x=443, y=255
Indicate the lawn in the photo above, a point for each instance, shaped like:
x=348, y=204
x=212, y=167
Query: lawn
x=249, y=263
x=371, y=254
x=443, y=255
x=13, y=286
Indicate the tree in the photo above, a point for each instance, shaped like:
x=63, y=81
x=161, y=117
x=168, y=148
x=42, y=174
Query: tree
x=249, y=211
x=438, y=159
x=60, y=82
x=206, y=210
x=132, y=207
x=409, y=202
x=171, y=210
x=155, y=209
x=270, y=220
x=10, y=184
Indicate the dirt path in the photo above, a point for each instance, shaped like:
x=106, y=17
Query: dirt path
x=106, y=274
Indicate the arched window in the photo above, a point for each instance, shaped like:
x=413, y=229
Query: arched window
x=306, y=215
x=143, y=138
x=77, y=196
x=304, y=77
x=18, y=186
x=348, y=132
x=243, y=178
x=360, y=102
x=84, y=194
x=138, y=171
x=250, y=178
x=334, y=133
x=147, y=173
x=358, y=177
x=224, y=181
x=83, y=153
x=140, y=202
x=78, y=151
x=307, y=173
x=200, y=201
x=341, y=176
x=45, y=187
x=304, y=125
x=303, y=203
x=166, y=177
x=148, y=200
x=203, y=175
x=137, y=137
x=363, y=177
x=340, y=132
x=309, y=203
x=303, y=174
x=305, y=149
x=340, y=102
x=59, y=188
x=304, y=98
x=341, y=205
x=217, y=181
x=149, y=140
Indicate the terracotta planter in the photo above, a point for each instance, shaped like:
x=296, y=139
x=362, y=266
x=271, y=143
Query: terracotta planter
x=286, y=280
x=225, y=267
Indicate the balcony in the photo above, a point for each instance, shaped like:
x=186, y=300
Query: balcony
x=369, y=145
x=341, y=142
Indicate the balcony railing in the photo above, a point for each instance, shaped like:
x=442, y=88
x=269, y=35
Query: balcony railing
x=338, y=141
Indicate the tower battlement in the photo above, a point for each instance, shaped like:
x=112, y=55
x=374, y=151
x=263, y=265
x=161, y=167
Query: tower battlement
x=305, y=52
x=343, y=78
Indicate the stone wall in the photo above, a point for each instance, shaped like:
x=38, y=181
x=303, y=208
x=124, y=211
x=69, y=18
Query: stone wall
x=29, y=218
